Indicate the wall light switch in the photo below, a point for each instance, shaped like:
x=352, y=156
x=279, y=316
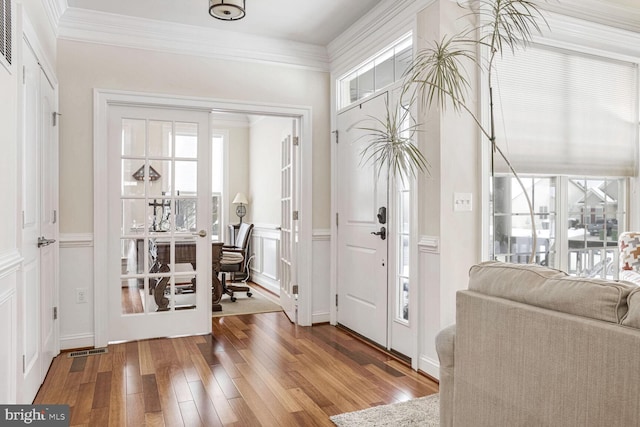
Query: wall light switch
x=462, y=202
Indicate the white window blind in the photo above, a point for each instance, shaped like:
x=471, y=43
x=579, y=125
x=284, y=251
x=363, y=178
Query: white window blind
x=6, y=31
x=563, y=112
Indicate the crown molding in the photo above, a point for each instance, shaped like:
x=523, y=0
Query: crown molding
x=385, y=23
x=139, y=33
x=602, y=12
x=54, y=10
x=590, y=37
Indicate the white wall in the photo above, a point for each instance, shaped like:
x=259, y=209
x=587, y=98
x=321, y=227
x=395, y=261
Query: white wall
x=238, y=168
x=85, y=66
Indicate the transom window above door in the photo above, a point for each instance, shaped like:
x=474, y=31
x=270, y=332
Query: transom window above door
x=383, y=69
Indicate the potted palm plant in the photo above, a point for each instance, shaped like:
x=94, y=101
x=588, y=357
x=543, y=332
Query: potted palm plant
x=437, y=79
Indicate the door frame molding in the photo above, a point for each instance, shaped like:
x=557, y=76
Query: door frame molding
x=103, y=98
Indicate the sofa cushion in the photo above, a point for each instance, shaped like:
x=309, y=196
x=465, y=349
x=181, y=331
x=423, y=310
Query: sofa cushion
x=633, y=315
x=552, y=289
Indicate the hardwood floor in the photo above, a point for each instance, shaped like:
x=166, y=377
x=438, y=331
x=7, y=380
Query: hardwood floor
x=255, y=370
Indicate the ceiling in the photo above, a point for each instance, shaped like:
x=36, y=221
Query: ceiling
x=315, y=22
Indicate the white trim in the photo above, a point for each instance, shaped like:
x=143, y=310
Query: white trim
x=76, y=240
x=30, y=36
x=140, y=33
x=324, y=317
x=429, y=244
x=606, y=13
x=387, y=22
x=429, y=366
x=10, y=262
x=322, y=235
x=54, y=10
x=77, y=341
x=265, y=281
x=104, y=97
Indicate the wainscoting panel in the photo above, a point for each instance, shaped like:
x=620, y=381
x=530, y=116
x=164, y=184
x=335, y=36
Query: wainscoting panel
x=265, y=247
x=8, y=337
x=76, y=272
x=321, y=276
x=429, y=317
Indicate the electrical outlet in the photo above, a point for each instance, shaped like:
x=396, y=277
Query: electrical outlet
x=81, y=295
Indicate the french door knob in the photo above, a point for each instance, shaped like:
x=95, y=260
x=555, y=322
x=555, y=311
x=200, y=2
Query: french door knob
x=201, y=233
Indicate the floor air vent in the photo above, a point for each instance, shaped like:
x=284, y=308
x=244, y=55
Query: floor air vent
x=88, y=352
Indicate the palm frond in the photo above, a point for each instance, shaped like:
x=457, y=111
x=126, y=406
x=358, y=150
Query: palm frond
x=439, y=72
x=390, y=144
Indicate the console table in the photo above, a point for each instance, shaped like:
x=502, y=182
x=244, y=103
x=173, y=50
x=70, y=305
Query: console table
x=185, y=253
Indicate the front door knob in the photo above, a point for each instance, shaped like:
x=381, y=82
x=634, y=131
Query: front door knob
x=382, y=233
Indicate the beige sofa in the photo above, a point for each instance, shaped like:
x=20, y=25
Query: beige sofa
x=533, y=346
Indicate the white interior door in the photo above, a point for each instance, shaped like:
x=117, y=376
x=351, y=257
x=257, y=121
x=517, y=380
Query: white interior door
x=289, y=227
x=38, y=291
x=49, y=249
x=362, y=256
x=159, y=249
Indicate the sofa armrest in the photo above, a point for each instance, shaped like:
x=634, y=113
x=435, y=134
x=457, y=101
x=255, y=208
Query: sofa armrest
x=445, y=346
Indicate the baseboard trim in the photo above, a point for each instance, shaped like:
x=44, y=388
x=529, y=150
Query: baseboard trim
x=266, y=282
x=429, y=367
x=320, y=318
x=74, y=341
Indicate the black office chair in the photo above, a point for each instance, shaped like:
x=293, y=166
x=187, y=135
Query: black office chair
x=235, y=260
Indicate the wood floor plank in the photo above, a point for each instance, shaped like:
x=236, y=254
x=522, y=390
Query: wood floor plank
x=81, y=411
x=190, y=416
x=206, y=410
x=256, y=370
x=102, y=391
x=168, y=401
x=135, y=410
x=150, y=394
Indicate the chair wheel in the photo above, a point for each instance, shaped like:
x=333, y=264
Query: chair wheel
x=233, y=299
x=249, y=294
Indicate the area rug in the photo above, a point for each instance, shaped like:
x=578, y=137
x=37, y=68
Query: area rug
x=257, y=303
x=420, y=412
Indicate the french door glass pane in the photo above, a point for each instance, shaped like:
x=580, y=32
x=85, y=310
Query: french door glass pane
x=158, y=202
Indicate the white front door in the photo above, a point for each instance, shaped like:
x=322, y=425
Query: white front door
x=289, y=227
x=159, y=210
x=37, y=294
x=362, y=256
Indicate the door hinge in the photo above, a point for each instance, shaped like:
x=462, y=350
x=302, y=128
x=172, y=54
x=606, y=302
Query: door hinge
x=296, y=141
x=295, y=289
x=55, y=216
x=296, y=215
x=336, y=132
x=337, y=216
x=55, y=313
x=24, y=363
x=24, y=74
x=336, y=300
x=54, y=116
x=23, y=219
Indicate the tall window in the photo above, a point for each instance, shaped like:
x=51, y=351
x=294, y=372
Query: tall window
x=566, y=121
x=577, y=222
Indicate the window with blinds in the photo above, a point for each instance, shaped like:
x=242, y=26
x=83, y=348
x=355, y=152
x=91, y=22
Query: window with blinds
x=564, y=112
x=5, y=32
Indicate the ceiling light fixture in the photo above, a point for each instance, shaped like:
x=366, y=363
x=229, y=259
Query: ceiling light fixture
x=227, y=10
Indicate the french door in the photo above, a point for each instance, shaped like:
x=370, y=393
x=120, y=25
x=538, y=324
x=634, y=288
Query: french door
x=159, y=210
x=362, y=243
x=289, y=228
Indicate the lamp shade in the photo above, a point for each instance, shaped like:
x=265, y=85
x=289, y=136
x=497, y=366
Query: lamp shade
x=241, y=198
x=227, y=10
